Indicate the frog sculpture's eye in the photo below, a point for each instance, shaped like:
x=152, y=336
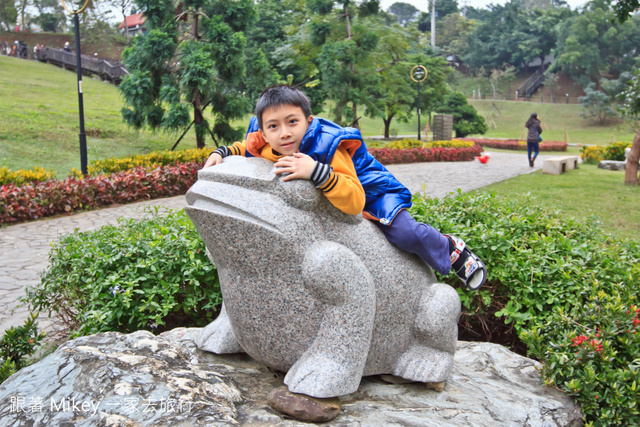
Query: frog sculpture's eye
x=299, y=193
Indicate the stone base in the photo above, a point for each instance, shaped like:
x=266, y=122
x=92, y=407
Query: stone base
x=613, y=165
x=145, y=380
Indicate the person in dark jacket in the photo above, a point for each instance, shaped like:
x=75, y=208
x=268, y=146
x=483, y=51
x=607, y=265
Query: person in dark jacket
x=533, y=137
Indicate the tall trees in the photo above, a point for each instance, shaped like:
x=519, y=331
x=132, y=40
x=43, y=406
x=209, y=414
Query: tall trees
x=404, y=12
x=193, y=58
x=343, y=29
x=592, y=43
x=8, y=13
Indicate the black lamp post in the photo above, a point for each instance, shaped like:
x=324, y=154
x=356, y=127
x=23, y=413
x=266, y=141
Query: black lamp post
x=418, y=74
x=83, y=136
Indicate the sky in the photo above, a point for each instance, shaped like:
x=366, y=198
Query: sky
x=423, y=5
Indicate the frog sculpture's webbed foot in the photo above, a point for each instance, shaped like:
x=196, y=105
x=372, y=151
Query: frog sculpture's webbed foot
x=218, y=337
x=435, y=332
x=333, y=364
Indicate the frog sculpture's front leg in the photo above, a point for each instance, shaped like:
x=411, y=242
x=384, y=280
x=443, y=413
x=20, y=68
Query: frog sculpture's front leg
x=334, y=363
x=218, y=337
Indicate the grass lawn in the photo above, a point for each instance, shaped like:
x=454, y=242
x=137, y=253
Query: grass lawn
x=510, y=117
x=39, y=123
x=580, y=193
x=39, y=120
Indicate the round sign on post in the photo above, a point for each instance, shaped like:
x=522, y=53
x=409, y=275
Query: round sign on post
x=418, y=74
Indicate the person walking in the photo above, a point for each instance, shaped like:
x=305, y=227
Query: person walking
x=533, y=137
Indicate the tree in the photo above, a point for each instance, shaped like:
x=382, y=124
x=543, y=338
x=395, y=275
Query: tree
x=343, y=29
x=396, y=95
x=50, y=15
x=596, y=104
x=593, y=43
x=631, y=99
x=466, y=120
x=453, y=32
x=124, y=6
x=191, y=59
x=404, y=12
x=630, y=110
x=8, y=13
x=501, y=78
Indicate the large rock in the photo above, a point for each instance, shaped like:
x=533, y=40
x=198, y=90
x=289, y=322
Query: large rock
x=313, y=292
x=144, y=380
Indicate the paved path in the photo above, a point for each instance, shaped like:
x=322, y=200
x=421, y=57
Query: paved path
x=24, y=247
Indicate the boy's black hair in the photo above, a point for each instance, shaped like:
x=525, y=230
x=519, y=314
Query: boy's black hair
x=276, y=96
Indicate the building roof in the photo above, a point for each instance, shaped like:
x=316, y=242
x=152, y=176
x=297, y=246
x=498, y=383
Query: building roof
x=133, y=20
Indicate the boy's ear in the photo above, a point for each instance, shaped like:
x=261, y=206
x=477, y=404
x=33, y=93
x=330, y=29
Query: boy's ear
x=310, y=119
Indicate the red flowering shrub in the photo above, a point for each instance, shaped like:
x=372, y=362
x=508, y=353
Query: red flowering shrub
x=389, y=156
x=514, y=144
x=41, y=199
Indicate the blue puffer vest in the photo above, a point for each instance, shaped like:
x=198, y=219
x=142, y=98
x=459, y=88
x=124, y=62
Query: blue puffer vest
x=385, y=195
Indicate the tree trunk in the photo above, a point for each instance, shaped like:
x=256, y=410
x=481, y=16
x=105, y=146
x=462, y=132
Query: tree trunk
x=356, y=122
x=387, y=125
x=126, y=25
x=197, y=121
x=631, y=169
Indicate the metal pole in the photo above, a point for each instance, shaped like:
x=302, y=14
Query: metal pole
x=418, y=111
x=83, y=137
x=433, y=23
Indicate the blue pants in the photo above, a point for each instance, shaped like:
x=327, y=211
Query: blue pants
x=533, y=146
x=420, y=239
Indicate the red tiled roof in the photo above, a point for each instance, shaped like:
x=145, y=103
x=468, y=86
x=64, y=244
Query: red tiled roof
x=133, y=20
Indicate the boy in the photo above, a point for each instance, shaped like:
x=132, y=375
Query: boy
x=336, y=161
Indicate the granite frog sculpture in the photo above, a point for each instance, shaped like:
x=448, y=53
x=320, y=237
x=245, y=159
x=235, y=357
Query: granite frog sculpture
x=313, y=292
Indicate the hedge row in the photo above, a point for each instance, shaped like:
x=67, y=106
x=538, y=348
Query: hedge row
x=42, y=199
x=388, y=156
x=35, y=200
x=514, y=144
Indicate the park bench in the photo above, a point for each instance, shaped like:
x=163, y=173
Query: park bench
x=559, y=164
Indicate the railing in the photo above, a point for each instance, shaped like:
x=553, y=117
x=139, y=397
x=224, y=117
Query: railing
x=529, y=86
x=547, y=97
x=99, y=67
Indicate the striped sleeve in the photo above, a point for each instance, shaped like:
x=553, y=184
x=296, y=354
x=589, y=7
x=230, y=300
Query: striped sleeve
x=236, y=149
x=341, y=184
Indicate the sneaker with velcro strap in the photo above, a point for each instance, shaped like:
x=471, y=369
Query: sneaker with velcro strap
x=466, y=264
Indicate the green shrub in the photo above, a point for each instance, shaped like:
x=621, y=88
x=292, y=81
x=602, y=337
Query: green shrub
x=403, y=144
x=553, y=280
x=595, y=153
x=150, y=273
x=150, y=160
x=592, y=154
x=615, y=151
x=17, y=346
x=592, y=353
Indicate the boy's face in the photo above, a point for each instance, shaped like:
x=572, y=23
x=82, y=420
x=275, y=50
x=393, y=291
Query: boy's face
x=283, y=128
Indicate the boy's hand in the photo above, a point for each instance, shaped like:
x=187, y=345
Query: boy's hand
x=299, y=166
x=214, y=159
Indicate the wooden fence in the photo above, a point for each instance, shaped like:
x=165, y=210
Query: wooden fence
x=91, y=66
x=107, y=71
